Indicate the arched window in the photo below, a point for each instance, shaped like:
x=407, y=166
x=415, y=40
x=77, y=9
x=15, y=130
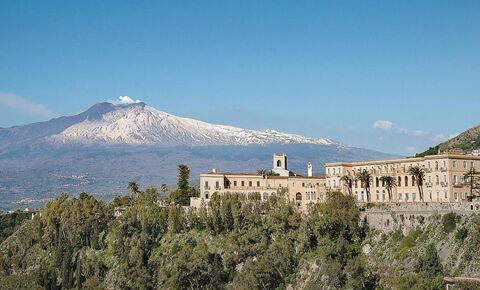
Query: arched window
x=406, y=180
x=298, y=196
x=298, y=199
x=399, y=181
x=206, y=194
x=279, y=163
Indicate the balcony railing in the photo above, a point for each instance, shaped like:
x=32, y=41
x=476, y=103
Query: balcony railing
x=458, y=184
x=428, y=184
x=443, y=169
x=206, y=187
x=444, y=184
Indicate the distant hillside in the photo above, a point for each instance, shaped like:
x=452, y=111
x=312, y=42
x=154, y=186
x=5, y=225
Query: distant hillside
x=467, y=141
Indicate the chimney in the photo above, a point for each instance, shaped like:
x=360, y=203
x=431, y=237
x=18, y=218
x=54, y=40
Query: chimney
x=309, y=169
x=214, y=170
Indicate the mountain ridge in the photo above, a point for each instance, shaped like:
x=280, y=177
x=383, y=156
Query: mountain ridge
x=140, y=124
x=467, y=141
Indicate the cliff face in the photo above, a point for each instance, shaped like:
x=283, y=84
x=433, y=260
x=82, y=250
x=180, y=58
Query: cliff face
x=399, y=260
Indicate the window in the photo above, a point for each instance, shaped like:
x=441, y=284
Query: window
x=455, y=179
x=465, y=164
x=207, y=194
x=377, y=184
x=406, y=180
x=250, y=183
x=436, y=165
x=437, y=180
x=430, y=194
x=454, y=164
x=243, y=183
x=446, y=194
x=378, y=197
x=413, y=180
x=303, y=183
x=413, y=196
x=234, y=183
x=206, y=183
x=472, y=165
x=399, y=181
x=279, y=163
x=217, y=184
x=399, y=196
x=444, y=164
x=258, y=183
x=455, y=195
x=406, y=196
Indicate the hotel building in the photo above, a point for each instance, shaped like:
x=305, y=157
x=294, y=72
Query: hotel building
x=444, y=178
x=301, y=190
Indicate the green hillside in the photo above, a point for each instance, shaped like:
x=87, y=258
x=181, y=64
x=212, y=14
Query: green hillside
x=238, y=243
x=466, y=141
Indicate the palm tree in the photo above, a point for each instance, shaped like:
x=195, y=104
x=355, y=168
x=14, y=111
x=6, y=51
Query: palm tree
x=164, y=188
x=365, y=178
x=133, y=186
x=471, y=177
x=389, y=182
x=347, y=181
x=419, y=174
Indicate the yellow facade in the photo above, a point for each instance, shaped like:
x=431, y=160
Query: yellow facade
x=443, y=178
x=301, y=190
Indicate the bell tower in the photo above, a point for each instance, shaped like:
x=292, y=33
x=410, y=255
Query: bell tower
x=280, y=165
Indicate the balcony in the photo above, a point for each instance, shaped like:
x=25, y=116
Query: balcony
x=428, y=170
x=206, y=187
x=218, y=188
x=443, y=169
x=428, y=184
x=458, y=185
x=444, y=184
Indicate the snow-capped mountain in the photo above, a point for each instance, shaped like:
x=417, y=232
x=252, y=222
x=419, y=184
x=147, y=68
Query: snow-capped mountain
x=96, y=151
x=138, y=123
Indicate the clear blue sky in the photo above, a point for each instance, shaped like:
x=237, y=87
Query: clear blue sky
x=309, y=67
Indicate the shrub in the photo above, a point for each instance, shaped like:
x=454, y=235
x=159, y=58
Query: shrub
x=449, y=222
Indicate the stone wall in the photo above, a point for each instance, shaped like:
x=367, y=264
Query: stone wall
x=389, y=217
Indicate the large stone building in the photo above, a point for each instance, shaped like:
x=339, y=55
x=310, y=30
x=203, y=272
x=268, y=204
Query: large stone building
x=444, y=178
x=301, y=190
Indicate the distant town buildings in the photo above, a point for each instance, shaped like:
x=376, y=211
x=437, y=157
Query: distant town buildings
x=444, y=181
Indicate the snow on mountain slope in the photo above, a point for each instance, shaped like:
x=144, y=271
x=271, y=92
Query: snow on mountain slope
x=139, y=124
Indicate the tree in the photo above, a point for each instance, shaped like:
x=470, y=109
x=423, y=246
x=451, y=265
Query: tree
x=164, y=188
x=419, y=174
x=471, y=178
x=389, y=182
x=348, y=182
x=266, y=172
x=365, y=178
x=134, y=189
x=184, y=190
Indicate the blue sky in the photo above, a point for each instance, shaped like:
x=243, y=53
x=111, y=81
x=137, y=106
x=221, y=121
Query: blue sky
x=395, y=76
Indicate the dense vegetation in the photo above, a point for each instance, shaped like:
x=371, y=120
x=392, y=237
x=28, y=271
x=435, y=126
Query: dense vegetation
x=135, y=242
x=9, y=223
